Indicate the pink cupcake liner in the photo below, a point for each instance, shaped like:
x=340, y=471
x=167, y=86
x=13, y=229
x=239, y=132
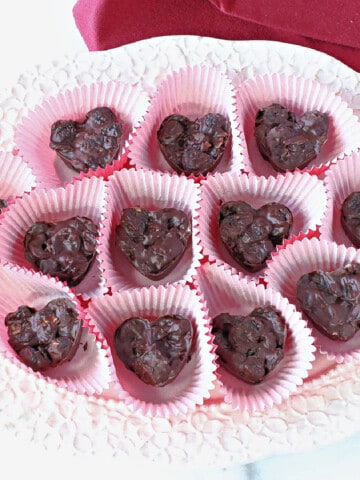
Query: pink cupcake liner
x=86, y=198
x=305, y=256
x=16, y=177
x=194, y=383
x=302, y=193
x=224, y=292
x=340, y=180
x=32, y=135
x=149, y=190
x=88, y=372
x=299, y=95
x=192, y=91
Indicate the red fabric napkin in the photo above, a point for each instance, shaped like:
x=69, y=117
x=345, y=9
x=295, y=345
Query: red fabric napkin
x=330, y=26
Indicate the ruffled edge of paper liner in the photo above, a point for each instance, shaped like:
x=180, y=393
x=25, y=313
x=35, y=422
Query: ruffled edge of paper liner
x=224, y=291
x=340, y=180
x=32, y=134
x=81, y=198
x=303, y=256
x=192, y=91
x=149, y=190
x=302, y=193
x=299, y=95
x=195, y=381
x=89, y=371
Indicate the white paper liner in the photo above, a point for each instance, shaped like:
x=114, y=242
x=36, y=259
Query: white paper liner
x=305, y=256
x=195, y=381
x=152, y=191
x=302, y=193
x=192, y=91
x=340, y=180
x=16, y=178
x=86, y=198
x=299, y=95
x=88, y=372
x=32, y=135
x=225, y=292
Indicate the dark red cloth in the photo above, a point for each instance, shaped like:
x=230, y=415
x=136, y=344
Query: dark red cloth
x=330, y=26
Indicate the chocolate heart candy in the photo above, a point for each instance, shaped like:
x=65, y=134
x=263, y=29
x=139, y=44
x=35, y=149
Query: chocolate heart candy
x=47, y=337
x=64, y=249
x=250, y=346
x=155, y=351
x=251, y=235
x=331, y=300
x=350, y=217
x=193, y=147
x=90, y=144
x=287, y=141
x=153, y=240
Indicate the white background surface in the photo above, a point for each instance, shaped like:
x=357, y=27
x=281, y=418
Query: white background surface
x=39, y=31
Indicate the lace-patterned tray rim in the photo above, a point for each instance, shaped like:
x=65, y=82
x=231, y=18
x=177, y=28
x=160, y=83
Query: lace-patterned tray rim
x=324, y=410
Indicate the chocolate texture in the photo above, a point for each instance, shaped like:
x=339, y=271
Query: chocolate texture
x=251, y=235
x=350, y=217
x=250, y=346
x=89, y=144
x=3, y=204
x=153, y=240
x=47, y=337
x=193, y=147
x=64, y=249
x=287, y=141
x=331, y=300
x=156, y=351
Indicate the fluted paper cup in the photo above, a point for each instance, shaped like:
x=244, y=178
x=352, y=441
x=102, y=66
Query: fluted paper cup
x=88, y=372
x=32, y=135
x=196, y=379
x=303, y=194
x=225, y=292
x=152, y=191
x=83, y=198
x=193, y=92
x=304, y=256
x=299, y=95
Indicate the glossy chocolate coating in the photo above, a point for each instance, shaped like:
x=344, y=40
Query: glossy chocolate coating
x=289, y=142
x=64, y=249
x=47, y=337
x=193, y=147
x=90, y=144
x=350, y=217
x=250, y=346
x=155, y=351
x=153, y=240
x=251, y=235
x=331, y=300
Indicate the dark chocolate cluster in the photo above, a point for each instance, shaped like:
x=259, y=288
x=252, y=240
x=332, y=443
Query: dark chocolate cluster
x=193, y=147
x=289, y=142
x=250, y=346
x=47, y=337
x=350, y=217
x=90, y=144
x=64, y=249
x=156, y=351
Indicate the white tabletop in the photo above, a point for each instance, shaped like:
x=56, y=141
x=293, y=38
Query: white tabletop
x=39, y=31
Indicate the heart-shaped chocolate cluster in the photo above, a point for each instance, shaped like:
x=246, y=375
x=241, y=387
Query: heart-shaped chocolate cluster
x=90, y=144
x=331, y=300
x=47, y=337
x=156, y=351
x=250, y=346
x=64, y=249
x=193, y=147
x=289, y=142
x=350, y=217
x=153, y=240
x=251, y=235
